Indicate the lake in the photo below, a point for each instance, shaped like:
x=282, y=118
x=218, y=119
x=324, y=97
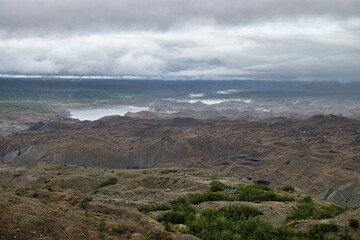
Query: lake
x=96, y=113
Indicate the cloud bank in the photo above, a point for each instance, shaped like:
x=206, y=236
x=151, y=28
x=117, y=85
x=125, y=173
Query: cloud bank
x=171, y=39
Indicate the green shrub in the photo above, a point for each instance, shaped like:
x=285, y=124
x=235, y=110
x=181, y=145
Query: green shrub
x=116, y=231
x=203, y=197
x=303, y=211
x=217, y=186
x=110, y=181
x=181, y=212
x=153, y=208
x=234, y=212
x=307, y=199
x=85, y=202
x=167, y=226
x=354, y=223
x=102, y=225
x=167, y=171
x=34, y=194
x=181, y=229
x=257, y=192
x=310, y=210
x=346, y=235
x=328, y=211
x=317, y=231
x=233, y=222
x=288, y=188
x=49, y=188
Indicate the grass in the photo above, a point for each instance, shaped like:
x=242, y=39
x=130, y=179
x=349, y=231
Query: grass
x=7, y=107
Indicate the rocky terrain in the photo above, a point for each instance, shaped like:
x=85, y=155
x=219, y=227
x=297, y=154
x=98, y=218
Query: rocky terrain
x=57, y=201
x=120, y=177
x=17, y=116
x=317, y=155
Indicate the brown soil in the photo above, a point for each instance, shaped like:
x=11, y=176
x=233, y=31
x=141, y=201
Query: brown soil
x=313, y=154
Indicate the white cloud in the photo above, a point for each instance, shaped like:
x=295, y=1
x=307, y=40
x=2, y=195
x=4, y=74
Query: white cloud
x=305, y=48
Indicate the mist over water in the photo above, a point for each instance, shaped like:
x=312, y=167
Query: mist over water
x=102, y=97
x=142, y=91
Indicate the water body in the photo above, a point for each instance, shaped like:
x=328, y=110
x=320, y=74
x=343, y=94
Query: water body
x=136, y=92
x=149, y=90
x=96, y=113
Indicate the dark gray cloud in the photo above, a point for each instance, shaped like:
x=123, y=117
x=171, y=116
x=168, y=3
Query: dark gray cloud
x=273, y=39
x=84, y=15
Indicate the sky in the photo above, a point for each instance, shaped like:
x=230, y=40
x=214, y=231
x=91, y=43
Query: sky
x=182, y=39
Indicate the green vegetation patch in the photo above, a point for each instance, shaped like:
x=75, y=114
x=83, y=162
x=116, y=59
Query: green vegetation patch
x=204, y=197
x=85, y=202
x=257, y=192
x=233, y=222
x=167, y=171
x=237, y=222
x=354, y=223
x=308, y=209
x=154, y=208
x=110, y=181
x=6, y=107
x=288, y=188
x=317, y=231
x=217, y=186
x=181, y=212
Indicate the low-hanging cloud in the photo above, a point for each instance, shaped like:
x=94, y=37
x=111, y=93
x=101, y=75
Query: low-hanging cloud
x=316, y=40
x=85, y=15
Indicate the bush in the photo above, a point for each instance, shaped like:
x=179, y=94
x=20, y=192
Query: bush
x=328, y=211
x=303, y=211
x=307, y=199
x=288, y=188
x=116, y=231
x=354, y=223
x=167, y=171
x=153, y=208
x=234, y=212
x=204, y=197
x=102, y=225
x=181, y=212
x=317, y=231
x=217, y=186
x=346, y=235
x=110, y=181
x=85, y=202
x=257, y=192
x=310, y=210
x=233, y=222
x=34, y=194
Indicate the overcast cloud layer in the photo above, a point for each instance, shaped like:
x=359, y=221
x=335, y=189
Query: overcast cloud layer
x=269, y=39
